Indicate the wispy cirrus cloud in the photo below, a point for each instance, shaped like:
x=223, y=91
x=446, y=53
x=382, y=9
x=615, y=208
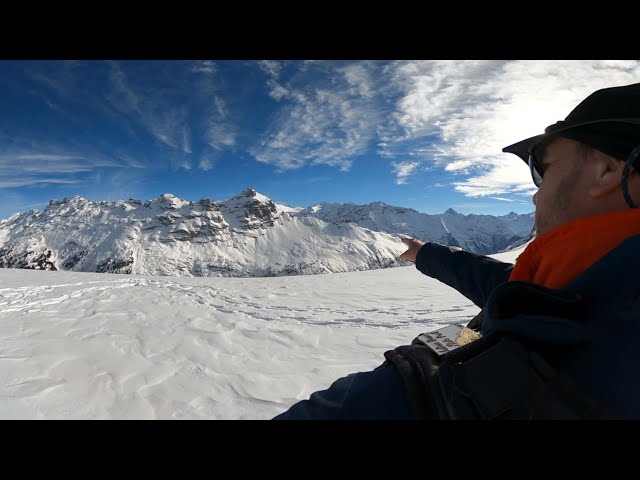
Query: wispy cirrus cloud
x=402, y=170
x=28, y=181
x=220, y=135
x=181, y=105
x=207, y=67
x=17, y=163
x=329, y=118
x=141, y=105
x=162, y=112
x=186, y=139
x=453, y=115
x=59, y=76
x=273, y=69
x=41, y=163
x=462, y=113
x=129, y=161
x=448, y=117
x=205, y=164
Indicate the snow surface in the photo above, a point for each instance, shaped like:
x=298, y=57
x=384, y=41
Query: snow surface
x=107, y=346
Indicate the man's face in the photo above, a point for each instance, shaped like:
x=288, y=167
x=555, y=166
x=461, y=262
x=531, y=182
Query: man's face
x=563, y=194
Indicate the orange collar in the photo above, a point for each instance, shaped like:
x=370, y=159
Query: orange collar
x=561, y=255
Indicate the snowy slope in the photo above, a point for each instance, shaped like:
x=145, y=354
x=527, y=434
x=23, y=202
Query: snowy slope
x=104, y=346
x=476, y=233
x=247, y=235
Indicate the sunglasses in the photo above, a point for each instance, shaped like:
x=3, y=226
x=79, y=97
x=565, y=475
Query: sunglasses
x=537, y=172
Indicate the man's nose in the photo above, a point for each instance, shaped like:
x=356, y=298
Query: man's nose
x=535, y=202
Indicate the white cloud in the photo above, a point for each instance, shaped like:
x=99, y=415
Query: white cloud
x=206, y=66
x=502, y=176
x=22, y=167
x=329, y=118
x=502, y=199
x=271, y=67
x=160, y=120
x=453, y=116
x=277, y=91
x=26, y=181
x=220, y=136
x=467, y=111
x=358, y=78
x=58, y=76
x=186, y=140
x=457, y=165
x=220, y=106
x=181, y=163
x=206, y=164
x=130, y=161
x=37, y=156
x=403, y=169
x=161, y=110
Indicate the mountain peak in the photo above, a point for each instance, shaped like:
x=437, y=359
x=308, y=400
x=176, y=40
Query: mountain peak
x=252, y=195
x=76, y=199
x=167, y=201
x=248, y=235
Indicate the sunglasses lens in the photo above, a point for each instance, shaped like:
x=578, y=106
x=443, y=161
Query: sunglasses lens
x=536, y=172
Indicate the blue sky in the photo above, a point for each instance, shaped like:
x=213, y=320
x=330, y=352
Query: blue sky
x=420, y=134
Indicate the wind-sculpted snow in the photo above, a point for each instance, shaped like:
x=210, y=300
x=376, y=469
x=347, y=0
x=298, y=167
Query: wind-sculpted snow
x=83, y=345
x=103, y=346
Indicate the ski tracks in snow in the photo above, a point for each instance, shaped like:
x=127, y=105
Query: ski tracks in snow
x=135, y=347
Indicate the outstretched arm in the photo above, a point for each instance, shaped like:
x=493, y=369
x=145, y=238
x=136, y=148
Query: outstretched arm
x=374, y=395
x=473, y=275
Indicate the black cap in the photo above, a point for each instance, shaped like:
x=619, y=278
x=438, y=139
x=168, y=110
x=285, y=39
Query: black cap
x=607, y=120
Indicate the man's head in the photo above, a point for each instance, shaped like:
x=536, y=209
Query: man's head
x=582, y=158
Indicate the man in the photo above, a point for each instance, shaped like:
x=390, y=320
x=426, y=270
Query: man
x=561, y=328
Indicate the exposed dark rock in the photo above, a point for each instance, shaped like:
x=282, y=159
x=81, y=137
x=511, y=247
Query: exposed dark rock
x=115, y=266
x=208, y=205
x=28, y=260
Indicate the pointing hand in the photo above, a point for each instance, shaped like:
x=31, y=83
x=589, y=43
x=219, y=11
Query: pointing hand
x=414, y=247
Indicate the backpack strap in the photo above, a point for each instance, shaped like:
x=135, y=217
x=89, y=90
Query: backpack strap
x=416, y=364
x=493, y=378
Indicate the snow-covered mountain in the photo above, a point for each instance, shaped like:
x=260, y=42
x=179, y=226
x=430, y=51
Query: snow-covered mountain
x=247, y=235
x=483, y=234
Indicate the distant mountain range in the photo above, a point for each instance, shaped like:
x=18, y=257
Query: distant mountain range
x=247, y=235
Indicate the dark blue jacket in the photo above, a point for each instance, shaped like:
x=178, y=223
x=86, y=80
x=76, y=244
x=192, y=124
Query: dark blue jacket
x=596, y=318
x=474, y=276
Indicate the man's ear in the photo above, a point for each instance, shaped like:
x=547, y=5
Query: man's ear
x=608, y=175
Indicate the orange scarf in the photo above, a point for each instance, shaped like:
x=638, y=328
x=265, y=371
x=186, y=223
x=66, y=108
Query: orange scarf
x=561, y=255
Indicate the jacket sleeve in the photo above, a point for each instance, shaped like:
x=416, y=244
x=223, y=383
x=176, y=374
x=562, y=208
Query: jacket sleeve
x=473, y=275
x=376, y=395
